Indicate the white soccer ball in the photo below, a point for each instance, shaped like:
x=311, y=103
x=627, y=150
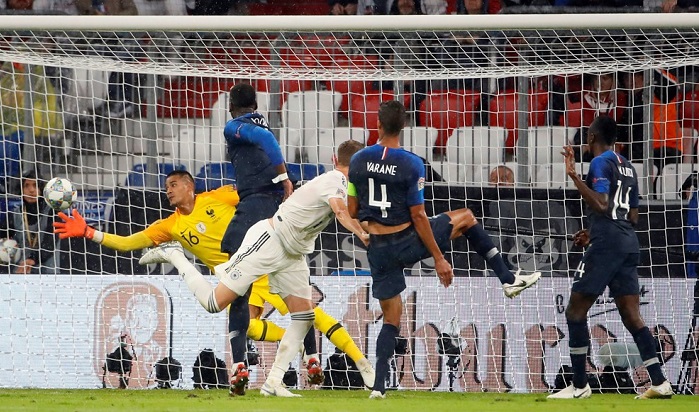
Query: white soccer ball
x=9, y=252
x=60, y=193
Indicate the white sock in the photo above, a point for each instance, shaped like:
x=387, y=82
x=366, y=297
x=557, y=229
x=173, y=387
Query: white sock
x=301, y=322
x=196, y=282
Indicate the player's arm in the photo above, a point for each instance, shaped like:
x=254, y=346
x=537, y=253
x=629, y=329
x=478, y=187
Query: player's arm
x=424, y=231
x=352, y=202
x=76, y=226
x=598, y=197
x=416, y=201
x=343, y=216
x=268, y=143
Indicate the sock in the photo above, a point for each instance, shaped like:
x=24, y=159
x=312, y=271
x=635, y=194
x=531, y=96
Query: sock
x=289, y=345
x=646, y=347
x=197, y=283
x=385, y=347
x=337, y=334
x=479, y=239
x=310, y=345
x=238, y=324
x=579, y=343
x=265, y=330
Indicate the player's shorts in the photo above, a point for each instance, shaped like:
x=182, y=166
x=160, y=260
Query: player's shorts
x=262, y=253
x=251, y=209
x=260, y=294
x=390, y=254
x=604, y=267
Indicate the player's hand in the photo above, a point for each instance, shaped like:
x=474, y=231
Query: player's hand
x=72, y=226
x=444, y=272
x=581, y=238
x=569, y=159
x=288, y=188
x=25, y=266
x=365, y=239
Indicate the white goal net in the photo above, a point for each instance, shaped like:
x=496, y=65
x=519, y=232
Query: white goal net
x=114, y=104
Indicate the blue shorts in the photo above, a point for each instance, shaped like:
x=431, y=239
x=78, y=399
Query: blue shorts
x=601, y=268
x=251, y=209
x=390, y=254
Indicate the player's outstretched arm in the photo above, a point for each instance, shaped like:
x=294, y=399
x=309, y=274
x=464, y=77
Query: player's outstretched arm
x=343, y=216
x=424, y=230
x=75, y=226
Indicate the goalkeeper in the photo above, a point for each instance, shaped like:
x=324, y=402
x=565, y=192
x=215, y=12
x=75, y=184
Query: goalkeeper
x=198, y=224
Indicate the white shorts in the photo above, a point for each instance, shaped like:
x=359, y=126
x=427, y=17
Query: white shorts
x=262, y=253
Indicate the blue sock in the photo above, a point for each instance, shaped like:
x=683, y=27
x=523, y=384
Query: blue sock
x=385, y=347
x=479, y=239
x=579, y=343
x=238, y=322
x=646, y=347
x=309, y=342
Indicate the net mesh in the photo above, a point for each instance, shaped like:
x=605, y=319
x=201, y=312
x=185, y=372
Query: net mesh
x=490, y=110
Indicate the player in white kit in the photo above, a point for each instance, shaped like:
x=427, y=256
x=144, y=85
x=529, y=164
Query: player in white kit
x=278, y=246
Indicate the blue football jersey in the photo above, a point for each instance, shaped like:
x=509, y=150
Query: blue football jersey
x=612, y=174
x=254, y=152
x=387, y=182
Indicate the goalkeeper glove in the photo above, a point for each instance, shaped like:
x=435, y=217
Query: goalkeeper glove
x=73, y=227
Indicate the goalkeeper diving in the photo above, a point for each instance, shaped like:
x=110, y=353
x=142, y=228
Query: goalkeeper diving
x=198, y=224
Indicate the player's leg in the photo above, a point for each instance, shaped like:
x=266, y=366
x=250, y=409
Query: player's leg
x=392, y=309
x=591, y=278
x=249, y=211
x=339, y=337
x=263, y=329
x=294, y=286
x=624, y=288
x=464, y=223
x=212, y=299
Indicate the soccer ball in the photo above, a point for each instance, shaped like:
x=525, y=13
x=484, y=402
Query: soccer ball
x=60, y=193
x=9, y=252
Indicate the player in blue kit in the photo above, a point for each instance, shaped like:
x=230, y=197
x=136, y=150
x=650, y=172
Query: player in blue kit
x=610, y=260
x=386, y=194
x=262, y=184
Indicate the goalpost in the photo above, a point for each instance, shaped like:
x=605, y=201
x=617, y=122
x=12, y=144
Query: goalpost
x=115, y=103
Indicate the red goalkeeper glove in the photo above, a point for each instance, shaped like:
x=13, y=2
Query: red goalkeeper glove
x=73, y=227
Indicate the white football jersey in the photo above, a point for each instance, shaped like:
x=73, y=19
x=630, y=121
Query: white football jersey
x=302, y=217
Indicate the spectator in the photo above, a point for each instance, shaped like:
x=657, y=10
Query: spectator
x=13, y=79
x=669, y=6
x=478, y=6
x=31, y=225
x=667, y=133
x=121, y=46
x=56, y=6
x=19, y=4
x=501, y=176
x=343, y=7
x=631, y=127
x=161, y=8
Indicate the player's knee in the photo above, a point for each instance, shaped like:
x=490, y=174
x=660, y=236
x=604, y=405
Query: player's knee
x=575, y=315
x=463, y=219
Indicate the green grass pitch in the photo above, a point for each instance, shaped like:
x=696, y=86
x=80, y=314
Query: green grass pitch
x=332, y=401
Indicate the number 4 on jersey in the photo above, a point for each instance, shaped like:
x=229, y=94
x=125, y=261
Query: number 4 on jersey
x=383, y=204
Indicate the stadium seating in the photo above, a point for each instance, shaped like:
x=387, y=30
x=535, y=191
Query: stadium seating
x=671, y=180
x=504, y=113
x=554, y=176
x=449, y=110
x=291, y=145
x=420, y=140
x=364, y=112
x=304, y=171
x=214, y=175
x=191, y=97
x=308, y=111
x=137, y=175
x=471, y=148
x=545, y=144
x=645, y=178
x=320, y=146
x=220, y=113
x=196, y=146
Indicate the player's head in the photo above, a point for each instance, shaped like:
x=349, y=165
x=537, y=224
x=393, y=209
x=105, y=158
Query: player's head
x=242, y=97
x=179, y=187
x=30, y=187
x=391, y=118
x=345, y=151
x=602, y=132
x=501, y=176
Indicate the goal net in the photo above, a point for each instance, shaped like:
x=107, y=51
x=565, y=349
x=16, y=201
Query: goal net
x=114, y=104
